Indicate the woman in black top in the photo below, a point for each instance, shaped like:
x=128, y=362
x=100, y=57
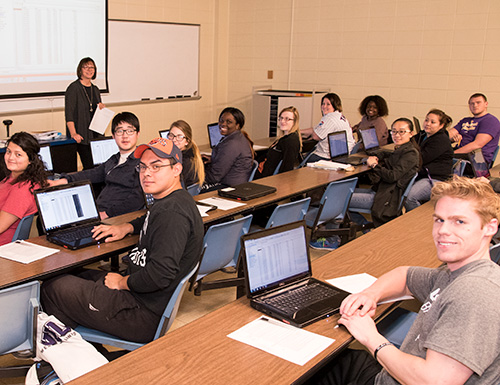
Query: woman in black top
x=287, y=148
x=437, y=157
x=81, y=100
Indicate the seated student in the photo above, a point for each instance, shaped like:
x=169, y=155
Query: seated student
x=372, y=109
x=482, y=130
x=170, y=242
x=122, y=192
x=25, y=172
x=287, y=148
x=232, y=159
x=437, y=157
x=332, y=121
x=391, y=173
x=455, y=338
x=193, y=170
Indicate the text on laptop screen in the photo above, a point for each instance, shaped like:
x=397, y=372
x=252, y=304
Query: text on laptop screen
x=103, y=149
x=66, y=206
x=276, y=257
x=338, y=144
x=369, y=136
x=46, y=157
x=164, y=133
x=214, y=134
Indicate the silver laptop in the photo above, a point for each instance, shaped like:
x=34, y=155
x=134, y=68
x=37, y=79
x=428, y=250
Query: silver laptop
x=102, y=149
x=369, y=138
x=339, y=150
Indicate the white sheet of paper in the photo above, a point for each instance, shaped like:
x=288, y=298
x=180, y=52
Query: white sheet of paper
x=101, y=120
x=359, y=282
x=329, y=165
x=221, y=203
x=282, y=340
x=25, y=252
x=203, y=210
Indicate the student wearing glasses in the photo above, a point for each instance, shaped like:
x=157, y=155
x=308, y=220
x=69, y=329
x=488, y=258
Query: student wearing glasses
x=170, y=243
x=391, y=173
x=81, y=100
x=287, y=148
x=193, y=170
x=122, y=192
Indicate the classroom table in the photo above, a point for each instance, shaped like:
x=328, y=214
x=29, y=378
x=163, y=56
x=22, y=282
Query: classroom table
x=200, y=352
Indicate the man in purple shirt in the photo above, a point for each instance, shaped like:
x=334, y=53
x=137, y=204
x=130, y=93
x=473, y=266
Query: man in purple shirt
x=482, y=130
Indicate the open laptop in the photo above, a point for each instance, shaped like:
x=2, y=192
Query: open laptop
x=68, y=213
x=277, y=268
x=339, y=151
x=46, y=156
x=369, y=138
x=246, y=191
x=164, y=133
x=102, y=149
x=214, y=135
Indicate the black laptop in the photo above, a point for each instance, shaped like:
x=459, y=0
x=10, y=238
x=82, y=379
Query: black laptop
x=369, y=138
x=246, y=191
x=46, y=156
x=102, y=149
x=214, y=135
x=278, y=276
x=339, y=150
x=164, y=133
x=68, y=213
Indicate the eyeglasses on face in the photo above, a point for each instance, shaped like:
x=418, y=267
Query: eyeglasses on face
x=128, y=131
x=179, y=137
x=154, y=168
x=88, y=67
x=400, y=133
x=286, y=119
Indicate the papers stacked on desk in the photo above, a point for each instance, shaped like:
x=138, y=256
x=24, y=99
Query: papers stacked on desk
x=329, y=165
x=222, y=204
x=25, y=252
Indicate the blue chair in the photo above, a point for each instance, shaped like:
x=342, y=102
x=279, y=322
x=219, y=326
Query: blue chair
x=254, y=170
x=356, y=147
x=18, y=323
x=166, y=321
x=396, y=325
x=288, y=213
x=459, y=166
x=306, y=158
x=194, y=189
x=332, y=210
x=23, y=228
x=221, y=249
x=492, y=163
x=277, y=169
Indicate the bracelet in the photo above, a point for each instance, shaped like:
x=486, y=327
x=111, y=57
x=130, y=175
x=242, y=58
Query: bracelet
x=380, y=347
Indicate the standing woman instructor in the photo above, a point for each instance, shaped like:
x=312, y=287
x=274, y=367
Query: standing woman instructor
x=80, y=103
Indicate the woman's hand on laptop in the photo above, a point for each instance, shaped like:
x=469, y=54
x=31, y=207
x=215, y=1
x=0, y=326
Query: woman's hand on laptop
x=112, y=233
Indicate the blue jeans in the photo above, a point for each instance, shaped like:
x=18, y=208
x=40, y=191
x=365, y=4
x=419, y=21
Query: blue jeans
x=419, y=193
x=362, y=198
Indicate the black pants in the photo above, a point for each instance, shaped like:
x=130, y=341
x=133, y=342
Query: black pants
x=351, y=367
x=85, y=155
x=85, y=300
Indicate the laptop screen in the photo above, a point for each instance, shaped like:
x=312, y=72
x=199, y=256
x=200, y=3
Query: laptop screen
x=338, y=144
x=103, y=149
x=67, y=204
x=214, y=134
x=164, y=133
x=369, y=137
x=46, y=157
x=275, y=256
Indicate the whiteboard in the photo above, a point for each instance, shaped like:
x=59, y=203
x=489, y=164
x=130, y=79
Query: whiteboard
x=146, y=60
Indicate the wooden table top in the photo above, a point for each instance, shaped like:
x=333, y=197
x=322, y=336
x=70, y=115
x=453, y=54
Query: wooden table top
x=201, y=352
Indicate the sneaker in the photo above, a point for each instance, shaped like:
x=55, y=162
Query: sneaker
x=328, y=243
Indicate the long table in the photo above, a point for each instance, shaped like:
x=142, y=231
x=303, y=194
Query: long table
x=201, y=352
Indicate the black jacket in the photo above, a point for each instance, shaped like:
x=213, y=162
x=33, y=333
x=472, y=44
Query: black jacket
x=437, y=155
x=287, y=148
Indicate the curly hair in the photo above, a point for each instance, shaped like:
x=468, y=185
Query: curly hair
x=379, y=101
x=36, y=173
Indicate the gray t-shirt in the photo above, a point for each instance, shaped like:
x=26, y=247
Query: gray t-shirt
x=459, y=318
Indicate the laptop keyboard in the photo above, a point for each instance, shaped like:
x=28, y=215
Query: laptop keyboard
x=301, y=297
x=76, y=234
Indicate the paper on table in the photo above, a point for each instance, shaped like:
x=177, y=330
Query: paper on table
x=101, y=120
x=222, y=204
x=359, y=282
x=203, y=210
x=329, y=165
x=25, y=252
x=282, y=340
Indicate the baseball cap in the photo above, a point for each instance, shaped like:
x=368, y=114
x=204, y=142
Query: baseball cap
x=162, y=147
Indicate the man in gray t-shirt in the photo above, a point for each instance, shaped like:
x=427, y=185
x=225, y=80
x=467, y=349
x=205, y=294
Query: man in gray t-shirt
x=455, y=338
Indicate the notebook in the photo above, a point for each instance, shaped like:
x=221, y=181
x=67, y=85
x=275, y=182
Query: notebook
x=46, y=157
x=68, y=213
x=164, y=133
x=102, y=149
x=369, y=138
x=246, y=191
x=339, y=150
x=214, y=135
x=277, y=267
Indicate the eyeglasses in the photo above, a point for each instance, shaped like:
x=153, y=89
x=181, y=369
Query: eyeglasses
x=179, y=137
x=400, y=133
x=154, y=168
x=128, y=131
x=285, y=118
x=88, y=67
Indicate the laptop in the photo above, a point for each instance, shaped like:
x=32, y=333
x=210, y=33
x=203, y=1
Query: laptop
x=369, y=138
x=68, y=213
x=339, y=151
x=164, y=133
x=246, y=191
x=277, y=270
x=102, y=149
x=476, y=165
x=46, y=157
x=214, y=135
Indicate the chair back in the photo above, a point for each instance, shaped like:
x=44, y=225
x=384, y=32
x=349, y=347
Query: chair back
x=492, y=163
x=306, y=158
x=288, y=213
x=405, y=193
x=221, y=245
x=23, y=228
x=18, y=322
x=277, y=169
x=356, y=147
x=194, y=189
x=254, y=170
x=495, y=253
x=459, y=166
